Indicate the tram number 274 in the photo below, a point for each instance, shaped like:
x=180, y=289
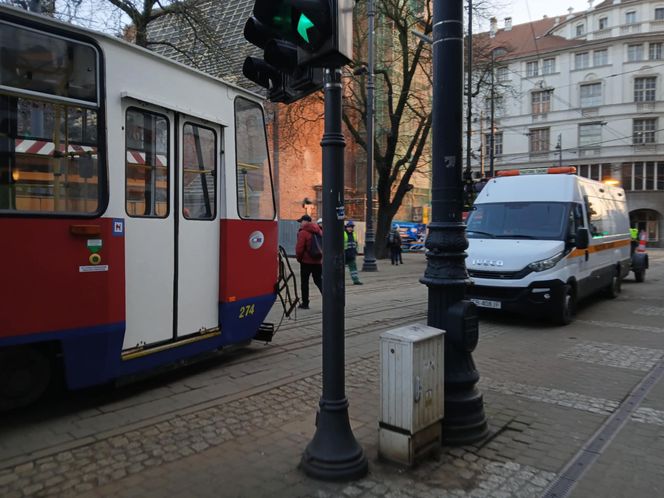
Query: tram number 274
x=247, y=310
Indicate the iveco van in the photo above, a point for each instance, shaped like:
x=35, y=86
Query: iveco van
x=541, y=239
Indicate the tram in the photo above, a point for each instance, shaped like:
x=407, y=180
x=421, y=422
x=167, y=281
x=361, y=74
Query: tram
x=137, y=213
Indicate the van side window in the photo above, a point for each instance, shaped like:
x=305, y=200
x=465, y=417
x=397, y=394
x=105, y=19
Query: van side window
x=595, y=212
x=575, y=219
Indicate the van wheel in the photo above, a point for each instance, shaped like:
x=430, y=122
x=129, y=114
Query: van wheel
x=640, y=275
x=612, y=291
x=564, y=315
x=25, y=373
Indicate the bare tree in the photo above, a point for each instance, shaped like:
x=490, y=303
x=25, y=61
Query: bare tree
x=403, y=107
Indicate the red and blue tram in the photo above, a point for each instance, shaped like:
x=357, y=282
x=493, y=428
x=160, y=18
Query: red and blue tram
x=137, y=212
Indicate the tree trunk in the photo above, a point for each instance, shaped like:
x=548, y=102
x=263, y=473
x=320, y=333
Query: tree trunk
x=383, y=228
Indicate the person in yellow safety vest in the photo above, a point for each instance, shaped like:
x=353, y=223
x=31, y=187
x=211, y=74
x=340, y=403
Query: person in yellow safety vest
x=634, y=233
x=350, y=251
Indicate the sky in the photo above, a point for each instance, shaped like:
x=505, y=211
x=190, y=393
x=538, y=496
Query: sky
x=532, y=10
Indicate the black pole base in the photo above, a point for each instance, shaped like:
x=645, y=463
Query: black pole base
x=464, y=421
x=369, y=264
x=334, y=454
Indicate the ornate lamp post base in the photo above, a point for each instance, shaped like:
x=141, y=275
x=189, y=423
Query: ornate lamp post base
x=334, y=454
x=369, y=263
x=464, y=422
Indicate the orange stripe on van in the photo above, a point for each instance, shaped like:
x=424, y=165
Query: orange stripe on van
x=599, y=247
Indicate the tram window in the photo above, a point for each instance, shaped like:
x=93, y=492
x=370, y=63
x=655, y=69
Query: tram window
x=199, y=172
x=48, y=157
x=47, y=64
x=254, y=179
x=147, y=182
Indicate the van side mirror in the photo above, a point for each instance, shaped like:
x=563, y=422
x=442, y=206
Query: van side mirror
x=582, y=239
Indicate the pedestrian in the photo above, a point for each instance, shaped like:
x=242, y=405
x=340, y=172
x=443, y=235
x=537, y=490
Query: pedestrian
x=308, y=252
x=394, y=244
x=350, y=251
x=634, y=233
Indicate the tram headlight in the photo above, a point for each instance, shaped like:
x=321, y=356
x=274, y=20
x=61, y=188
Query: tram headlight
x=546, y=264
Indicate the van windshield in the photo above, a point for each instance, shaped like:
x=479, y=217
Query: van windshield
x=519, y=220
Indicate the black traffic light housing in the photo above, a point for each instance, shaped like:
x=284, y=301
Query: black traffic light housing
x=298, y=37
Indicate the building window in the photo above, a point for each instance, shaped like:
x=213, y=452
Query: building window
x=655, y=51
x=603, y=23
x=634, y=52
x=497, y=144
x=630, y=17
x=591, y=95
x=580, y=30
x=659, y=14
x=600, y=57
x=541, y=101
x=643, y=175
x=644, y=89
x=531, y=69
x=539, y=140
x=598, y=172
x=548, y=66
x=644, y=131
x=502, y=74
x=582, y=60
x=590, y=135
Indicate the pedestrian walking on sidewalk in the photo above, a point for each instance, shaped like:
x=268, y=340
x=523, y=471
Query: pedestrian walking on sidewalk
x=309, y=253
x=350, y=252
x=394, y=244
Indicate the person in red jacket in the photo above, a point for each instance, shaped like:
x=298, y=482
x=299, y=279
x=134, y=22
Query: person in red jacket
x=309, y=264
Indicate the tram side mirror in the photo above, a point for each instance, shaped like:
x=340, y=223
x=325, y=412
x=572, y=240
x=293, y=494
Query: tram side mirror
x=582, y=238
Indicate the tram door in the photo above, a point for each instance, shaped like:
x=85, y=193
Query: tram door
x=200, y=151
x=149, y=225
x=171, y=227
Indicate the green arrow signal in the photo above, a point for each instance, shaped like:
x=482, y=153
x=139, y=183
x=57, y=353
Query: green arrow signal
x=303, y=25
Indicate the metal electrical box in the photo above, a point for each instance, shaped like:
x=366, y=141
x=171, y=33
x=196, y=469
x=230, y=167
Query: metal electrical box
x=411, y=392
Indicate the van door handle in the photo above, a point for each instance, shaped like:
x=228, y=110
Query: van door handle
x=587, y=254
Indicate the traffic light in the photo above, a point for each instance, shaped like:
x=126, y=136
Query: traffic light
x=297, y=37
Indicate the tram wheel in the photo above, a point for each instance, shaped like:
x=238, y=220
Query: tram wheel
x=25, y=374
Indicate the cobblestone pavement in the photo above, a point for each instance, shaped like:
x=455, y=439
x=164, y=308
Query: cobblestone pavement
x=237, y=426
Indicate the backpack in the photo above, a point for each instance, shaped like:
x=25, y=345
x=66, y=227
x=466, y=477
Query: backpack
x=316, y=246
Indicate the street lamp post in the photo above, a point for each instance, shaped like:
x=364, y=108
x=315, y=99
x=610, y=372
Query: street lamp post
x=333, y=453
x=445, y=275
x=469, y=85
x=492, y=138
x=369, y=263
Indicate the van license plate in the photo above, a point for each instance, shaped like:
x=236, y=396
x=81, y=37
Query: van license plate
x=484, y=303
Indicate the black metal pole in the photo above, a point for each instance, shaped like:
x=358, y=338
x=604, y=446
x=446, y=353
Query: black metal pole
x=492, y=146
x=369, y=263
x=333, y=453
x=560, y=150
x=446, y=275
x=469, y=84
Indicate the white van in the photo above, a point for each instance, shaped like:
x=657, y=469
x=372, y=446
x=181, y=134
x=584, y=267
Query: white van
x=540, y=241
